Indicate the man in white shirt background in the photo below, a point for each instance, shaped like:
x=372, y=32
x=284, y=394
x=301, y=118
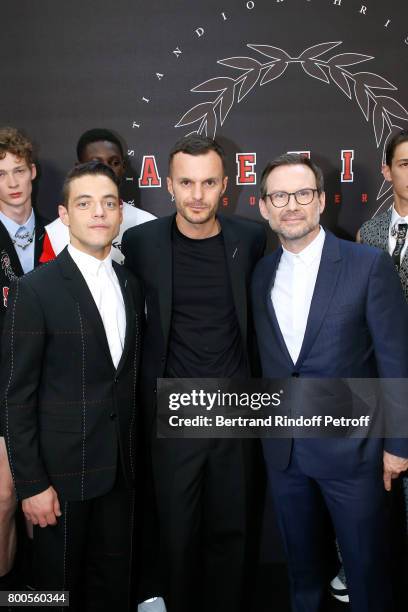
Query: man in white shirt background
x=102, y=145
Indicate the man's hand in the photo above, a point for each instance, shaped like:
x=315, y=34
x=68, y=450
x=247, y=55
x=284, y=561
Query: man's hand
x=393, y=467
x=42, y=509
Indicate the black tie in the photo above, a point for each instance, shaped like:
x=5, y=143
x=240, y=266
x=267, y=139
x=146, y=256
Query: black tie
x=401, y=235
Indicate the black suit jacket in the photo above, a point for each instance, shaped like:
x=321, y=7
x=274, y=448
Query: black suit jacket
x=148, y=253
x=10, y=267
x=68, y=413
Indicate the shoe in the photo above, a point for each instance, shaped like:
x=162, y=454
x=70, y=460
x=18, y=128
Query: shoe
x=338, y=587
x=155, y=604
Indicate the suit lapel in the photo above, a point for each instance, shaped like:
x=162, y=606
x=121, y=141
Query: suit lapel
x=384, y=229
x=7, y=248
x=164, y=274
x=38, y=237
x=271, y=309
x=122, y=274
x=81, y=294
x=326, y=282
x=237, y=277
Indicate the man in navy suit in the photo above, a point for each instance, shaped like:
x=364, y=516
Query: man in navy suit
x=327, y=308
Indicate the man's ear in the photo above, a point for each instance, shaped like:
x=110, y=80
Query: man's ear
x=224, y=184
x=33, y=171
x=322, y=201
x=170, y=186
x=63, y=214
x=263, y=209
x=386, y=171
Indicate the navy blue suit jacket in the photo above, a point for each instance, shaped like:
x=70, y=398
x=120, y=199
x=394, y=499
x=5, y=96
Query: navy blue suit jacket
x=357, y=328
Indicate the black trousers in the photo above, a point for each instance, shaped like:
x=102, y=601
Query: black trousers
x=89, y=552
x=209, y=501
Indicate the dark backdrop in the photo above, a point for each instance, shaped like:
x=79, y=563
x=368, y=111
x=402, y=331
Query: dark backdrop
x=70, y=66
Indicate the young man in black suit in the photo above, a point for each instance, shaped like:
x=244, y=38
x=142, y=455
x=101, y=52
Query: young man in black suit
x=195, y=267
x=21, y=238
x=72, y=333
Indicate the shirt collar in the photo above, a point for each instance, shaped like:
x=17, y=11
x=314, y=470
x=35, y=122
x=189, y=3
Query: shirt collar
x=310, y=253
x=396, y=218
x=12, y=227
x=89, y=264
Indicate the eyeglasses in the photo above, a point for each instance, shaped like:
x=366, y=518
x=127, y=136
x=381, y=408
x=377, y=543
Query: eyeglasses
x=279, y=199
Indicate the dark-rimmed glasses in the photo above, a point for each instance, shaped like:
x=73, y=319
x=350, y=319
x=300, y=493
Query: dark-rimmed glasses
x=279, y=199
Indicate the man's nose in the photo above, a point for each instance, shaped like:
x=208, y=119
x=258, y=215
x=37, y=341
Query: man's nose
x=99, y=209
x=12, y=180
x=292, y=203
x=197, y=191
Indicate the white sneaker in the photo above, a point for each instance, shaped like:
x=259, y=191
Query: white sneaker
x=338, y=588
x=155, y=604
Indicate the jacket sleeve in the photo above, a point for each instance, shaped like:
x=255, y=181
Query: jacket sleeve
x=387, y=316
x=23, y=346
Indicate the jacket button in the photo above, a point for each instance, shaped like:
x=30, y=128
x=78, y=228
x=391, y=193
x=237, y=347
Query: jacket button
x=295, y=374
x=112, y=416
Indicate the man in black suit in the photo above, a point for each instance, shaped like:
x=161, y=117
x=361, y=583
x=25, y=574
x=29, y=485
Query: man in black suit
x=195, y=267
x=72, y=334
x=21, y=238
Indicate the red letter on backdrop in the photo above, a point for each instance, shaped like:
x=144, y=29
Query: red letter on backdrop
x=149, y=176
x=347, y=157
x=246, y=174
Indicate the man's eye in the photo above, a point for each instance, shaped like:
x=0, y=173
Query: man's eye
x=83, y=204
x=111, y=205
x=279, y=195
x=20, y=170
x=210, y=182
x=185, y=182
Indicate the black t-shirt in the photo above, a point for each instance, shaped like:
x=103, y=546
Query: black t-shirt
x=205, y=340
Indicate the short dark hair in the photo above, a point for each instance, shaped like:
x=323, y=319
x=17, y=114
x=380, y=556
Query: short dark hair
x=15, y=142
x=291, y=159
x=396, y=140
x=196, y=144
x=97, y=135
x=93, y=168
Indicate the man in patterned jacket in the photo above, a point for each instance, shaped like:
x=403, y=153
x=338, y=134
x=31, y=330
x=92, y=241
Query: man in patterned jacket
x=388, y=230
x=21, y=240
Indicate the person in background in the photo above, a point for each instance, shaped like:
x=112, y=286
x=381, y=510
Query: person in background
x=21, y=242
x=98, y=145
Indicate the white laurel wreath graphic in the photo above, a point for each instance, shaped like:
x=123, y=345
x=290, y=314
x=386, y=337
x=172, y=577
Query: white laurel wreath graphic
x=386, y=114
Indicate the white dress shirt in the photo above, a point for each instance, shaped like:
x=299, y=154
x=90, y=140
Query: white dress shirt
x=105, y=289
x=293, y=289
x=396, y=219
x=15, y=231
